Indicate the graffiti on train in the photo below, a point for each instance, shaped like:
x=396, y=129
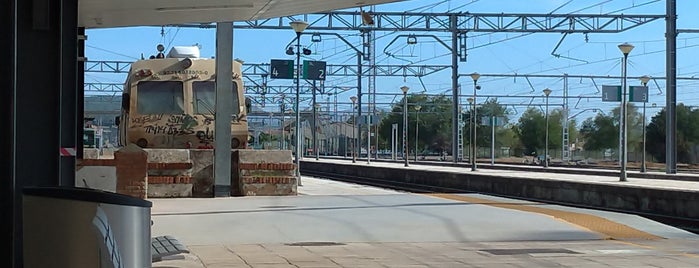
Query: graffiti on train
x=174, y=125
x=205, y=136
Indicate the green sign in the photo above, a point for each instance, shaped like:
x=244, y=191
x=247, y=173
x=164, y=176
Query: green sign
x=638, y=94
x=314, y=70
x=282, y=69
x=488, y=121
x=611, y=93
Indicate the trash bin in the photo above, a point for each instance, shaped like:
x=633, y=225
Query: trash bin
x=81, y=227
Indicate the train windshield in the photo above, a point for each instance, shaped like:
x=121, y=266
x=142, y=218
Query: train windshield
x=204, y=93
x=160, y=97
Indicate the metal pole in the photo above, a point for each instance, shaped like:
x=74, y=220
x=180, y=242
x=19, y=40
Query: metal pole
x=622, y=173
x=671, y=87
x=394, y=142
x=368, y=134
x=455, y=88
x=474, y=153
x=354, y=143
x=546, y=147
x=492, y=140
x=297, y=159
x=358, y=145
x=417, y=127
x=405, y=127
x=315, y=120
x=281, y=109
x=643, y=151
x=376, y=131
x=470, y=134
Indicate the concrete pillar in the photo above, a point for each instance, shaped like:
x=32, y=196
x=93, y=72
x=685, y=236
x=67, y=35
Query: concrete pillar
x=224, y=105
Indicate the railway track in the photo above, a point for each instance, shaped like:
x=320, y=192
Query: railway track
x=688, y=224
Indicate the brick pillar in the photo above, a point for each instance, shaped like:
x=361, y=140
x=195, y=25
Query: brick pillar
x=131, y=171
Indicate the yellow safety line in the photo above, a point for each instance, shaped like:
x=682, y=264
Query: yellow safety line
x=609, y=229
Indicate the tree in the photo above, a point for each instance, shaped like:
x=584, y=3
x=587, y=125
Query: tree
x=602, y=131
x=491, y=107
x=531, y=130
x=687, y=134
x=435, y=122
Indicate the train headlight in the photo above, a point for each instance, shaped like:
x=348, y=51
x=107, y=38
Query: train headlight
x=235, y=143
x=144, y=73
x=186, y=63
x=143, y=143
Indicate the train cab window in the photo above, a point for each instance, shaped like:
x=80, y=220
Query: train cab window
x=160, y=97
x=204, y=93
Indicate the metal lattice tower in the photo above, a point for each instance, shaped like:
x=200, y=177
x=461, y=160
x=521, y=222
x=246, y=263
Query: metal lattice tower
x=372, y=86
x=460, y=138
x=565, y=144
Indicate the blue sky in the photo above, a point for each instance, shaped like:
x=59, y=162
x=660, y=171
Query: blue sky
x=501, y=53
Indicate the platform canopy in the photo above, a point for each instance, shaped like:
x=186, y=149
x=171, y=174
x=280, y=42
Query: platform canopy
x=119, y=13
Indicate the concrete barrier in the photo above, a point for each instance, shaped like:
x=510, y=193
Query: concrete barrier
x=265, y=172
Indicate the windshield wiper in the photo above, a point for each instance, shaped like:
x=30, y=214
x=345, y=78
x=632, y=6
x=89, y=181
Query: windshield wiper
x=208, y=109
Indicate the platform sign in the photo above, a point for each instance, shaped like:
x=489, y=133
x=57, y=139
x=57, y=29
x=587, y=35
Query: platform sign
x=371, y=119
x=281, y=69
x=499, y=120
x=638, y=94
x=611, y=93
x=314, y=70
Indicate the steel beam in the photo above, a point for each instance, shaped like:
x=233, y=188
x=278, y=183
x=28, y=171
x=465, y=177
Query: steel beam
x=440, y=22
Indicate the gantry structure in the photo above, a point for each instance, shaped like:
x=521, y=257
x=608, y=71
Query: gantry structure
x=458, y=24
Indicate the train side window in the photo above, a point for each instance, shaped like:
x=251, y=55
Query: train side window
x=248, y=105
x=126, y=101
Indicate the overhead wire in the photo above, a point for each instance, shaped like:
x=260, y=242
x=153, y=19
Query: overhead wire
x=111, y=52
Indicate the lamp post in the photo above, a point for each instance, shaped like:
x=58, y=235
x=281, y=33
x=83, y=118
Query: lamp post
x=625, y=49
x=417, y=126
x=281, y=109
x=547, y=92
x=298, y=27
x=354, y=156
x=470, y=126
x=316, y=107
x=644, y=81
x=405, y=123
x=474, y=155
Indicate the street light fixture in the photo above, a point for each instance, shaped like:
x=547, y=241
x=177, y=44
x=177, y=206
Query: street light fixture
x=644, y=81
x=354, y=156
x=405, y=123
x=547, y=92
x=474, y=146
x=625, y=48
x=298, y=27
x=417, y=127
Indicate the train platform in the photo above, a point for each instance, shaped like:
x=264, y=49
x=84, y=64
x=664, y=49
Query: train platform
x=335, y=224
x=659, y=180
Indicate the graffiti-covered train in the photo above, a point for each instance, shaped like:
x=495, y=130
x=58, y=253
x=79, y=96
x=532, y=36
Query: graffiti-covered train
x=168, y=102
